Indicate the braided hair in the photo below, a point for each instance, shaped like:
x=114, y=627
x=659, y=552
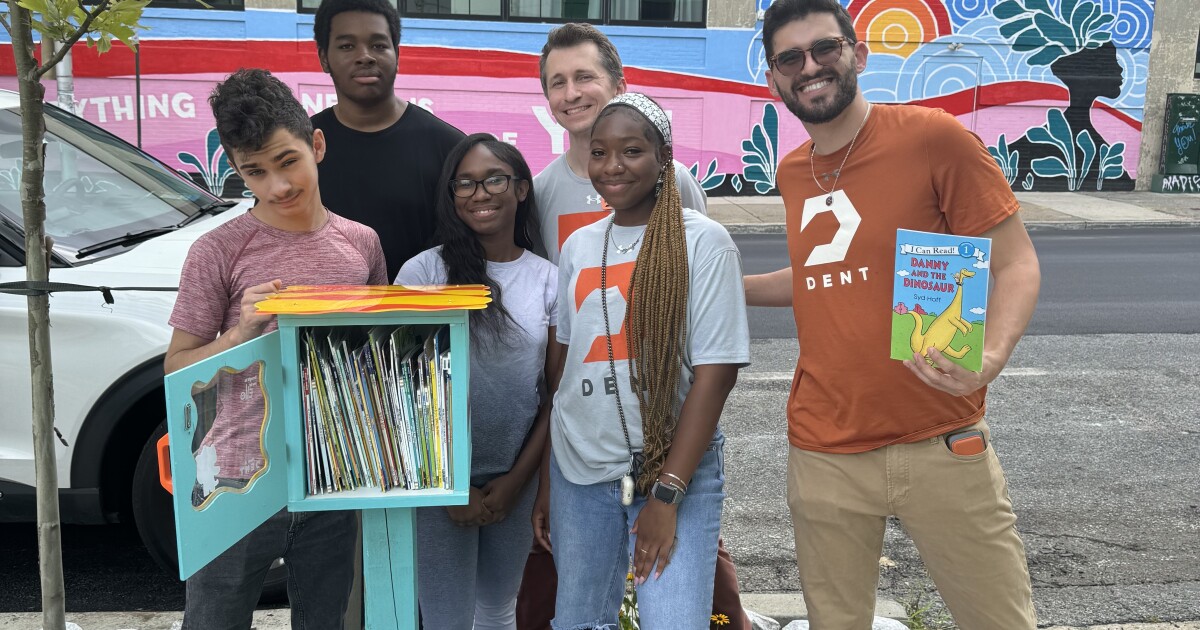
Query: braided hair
x=656, y=318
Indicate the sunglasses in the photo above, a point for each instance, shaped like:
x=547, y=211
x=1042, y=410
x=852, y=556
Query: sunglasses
x=825, y=52
x=494, y=185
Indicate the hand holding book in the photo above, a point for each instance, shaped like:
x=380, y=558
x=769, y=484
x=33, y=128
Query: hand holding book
x=947, y=375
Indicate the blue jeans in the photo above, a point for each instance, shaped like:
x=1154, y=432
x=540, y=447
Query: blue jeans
x=318, y=548
x=592, y=547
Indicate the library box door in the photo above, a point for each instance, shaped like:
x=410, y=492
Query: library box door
x=228, y=453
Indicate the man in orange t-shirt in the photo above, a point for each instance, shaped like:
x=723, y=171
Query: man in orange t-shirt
x=868, y=433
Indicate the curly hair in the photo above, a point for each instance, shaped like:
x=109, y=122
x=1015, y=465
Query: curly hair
x=323, y=20
x=465, y=260
x=250, y=105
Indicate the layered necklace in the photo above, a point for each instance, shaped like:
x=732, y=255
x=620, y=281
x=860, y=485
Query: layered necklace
x=837, y=173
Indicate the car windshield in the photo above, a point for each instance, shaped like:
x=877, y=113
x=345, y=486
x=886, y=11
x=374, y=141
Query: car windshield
x=98, y=187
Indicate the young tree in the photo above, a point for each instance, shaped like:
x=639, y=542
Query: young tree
x=66, y=22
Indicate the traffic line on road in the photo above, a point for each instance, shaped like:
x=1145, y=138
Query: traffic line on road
x=765, y=376
x=1028, y=371
x=769, y=377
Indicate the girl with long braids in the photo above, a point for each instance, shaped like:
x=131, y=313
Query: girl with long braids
x=655, y=331
x=470, y=558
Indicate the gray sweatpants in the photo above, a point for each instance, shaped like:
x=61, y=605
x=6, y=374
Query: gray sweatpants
x=468, y=577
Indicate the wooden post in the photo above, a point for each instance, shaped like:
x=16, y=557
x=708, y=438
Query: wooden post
x=390, y=568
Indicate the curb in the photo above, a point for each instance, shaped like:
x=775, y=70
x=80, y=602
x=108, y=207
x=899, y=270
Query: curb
x=780, y=228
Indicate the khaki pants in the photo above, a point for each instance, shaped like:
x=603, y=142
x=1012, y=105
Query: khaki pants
x=955, y=508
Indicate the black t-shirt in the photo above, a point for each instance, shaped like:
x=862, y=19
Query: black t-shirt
x=387, y=179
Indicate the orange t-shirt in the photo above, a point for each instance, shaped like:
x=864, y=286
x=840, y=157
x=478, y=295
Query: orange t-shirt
x=914, y=168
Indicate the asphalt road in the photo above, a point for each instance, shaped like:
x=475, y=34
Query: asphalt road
x=1100, y=438
x=1099, y=431
x=1102, y=281
x=1097, y=422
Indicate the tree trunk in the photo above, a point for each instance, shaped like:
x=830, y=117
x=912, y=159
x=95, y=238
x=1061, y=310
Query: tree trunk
x=37, y=265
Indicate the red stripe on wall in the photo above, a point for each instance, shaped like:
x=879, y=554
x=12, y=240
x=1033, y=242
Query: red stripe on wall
x=206, y=56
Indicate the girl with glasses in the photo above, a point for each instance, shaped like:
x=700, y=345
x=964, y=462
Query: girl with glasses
x=654, y=333
x=470, y=558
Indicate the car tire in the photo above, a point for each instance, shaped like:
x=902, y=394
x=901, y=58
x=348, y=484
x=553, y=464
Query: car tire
x=154, y=515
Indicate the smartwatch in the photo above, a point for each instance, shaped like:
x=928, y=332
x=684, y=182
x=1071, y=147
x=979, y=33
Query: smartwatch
x=667, y=494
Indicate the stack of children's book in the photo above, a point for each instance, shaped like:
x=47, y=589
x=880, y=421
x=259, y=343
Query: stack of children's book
x=376, y=405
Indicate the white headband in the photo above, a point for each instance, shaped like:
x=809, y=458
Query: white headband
x=648, y=108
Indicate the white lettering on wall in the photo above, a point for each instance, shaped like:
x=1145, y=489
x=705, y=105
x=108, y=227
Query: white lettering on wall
x=558, y=135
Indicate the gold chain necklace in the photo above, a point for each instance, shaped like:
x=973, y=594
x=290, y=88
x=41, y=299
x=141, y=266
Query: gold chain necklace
x=837, y=174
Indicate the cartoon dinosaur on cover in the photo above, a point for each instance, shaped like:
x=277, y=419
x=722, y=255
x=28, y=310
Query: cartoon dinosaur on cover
x=942, y=328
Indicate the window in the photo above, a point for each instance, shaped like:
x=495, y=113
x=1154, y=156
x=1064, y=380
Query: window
x=688, y=13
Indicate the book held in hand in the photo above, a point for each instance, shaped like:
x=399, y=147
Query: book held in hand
x=939, y=296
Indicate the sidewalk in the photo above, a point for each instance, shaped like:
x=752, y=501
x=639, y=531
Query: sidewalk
x=765, y=214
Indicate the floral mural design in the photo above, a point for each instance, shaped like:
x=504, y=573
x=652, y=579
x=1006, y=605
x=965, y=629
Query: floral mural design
x=760, y=152
x=1075, y=42
x=213, y=171
x=711, y=178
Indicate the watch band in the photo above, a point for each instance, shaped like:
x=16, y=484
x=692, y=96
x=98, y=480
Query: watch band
x=666, y=493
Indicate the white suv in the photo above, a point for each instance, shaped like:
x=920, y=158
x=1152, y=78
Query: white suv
x=118, y=218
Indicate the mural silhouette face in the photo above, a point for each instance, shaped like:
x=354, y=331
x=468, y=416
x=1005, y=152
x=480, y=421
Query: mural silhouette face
x=1091, y=73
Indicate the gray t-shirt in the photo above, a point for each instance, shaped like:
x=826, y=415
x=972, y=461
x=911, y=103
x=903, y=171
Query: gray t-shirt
x=585, y=428
x=567, y=202
x=504, y=376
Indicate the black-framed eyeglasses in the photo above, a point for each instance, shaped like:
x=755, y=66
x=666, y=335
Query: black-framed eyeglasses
x=494, y=185
x=825, y=52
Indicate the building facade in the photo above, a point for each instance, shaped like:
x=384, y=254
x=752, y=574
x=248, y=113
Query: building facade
x=1055, y=88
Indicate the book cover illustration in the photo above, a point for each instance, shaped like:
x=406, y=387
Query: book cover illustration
x=939, y=297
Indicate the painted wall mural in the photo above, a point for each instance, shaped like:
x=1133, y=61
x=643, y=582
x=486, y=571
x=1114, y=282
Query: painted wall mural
x=1054, y=88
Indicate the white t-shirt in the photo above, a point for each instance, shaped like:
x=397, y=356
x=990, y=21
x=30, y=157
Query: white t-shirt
x=504, y=376
x=586, y=430
x=567, y=202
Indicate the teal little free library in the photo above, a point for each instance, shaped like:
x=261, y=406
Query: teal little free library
x=357, y=402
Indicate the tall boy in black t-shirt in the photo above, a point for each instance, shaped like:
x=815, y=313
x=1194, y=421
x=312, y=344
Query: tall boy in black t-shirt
x=384, y=156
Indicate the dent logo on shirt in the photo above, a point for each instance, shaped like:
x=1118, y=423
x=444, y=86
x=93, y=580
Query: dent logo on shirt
x=619, y=277
x=835, y=250
x=568, y=222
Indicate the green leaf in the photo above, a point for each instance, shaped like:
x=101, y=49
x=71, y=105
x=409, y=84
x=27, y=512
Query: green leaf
x=1010, y=29
x=1066, y=8
x=1050, y=167
x=1079, y=20
x=1047, y=56
x=1008, y=10
x=1040, y=6
x=1055, y=31
x=36, y=6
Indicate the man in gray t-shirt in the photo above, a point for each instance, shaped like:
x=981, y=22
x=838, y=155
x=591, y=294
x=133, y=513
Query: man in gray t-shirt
x=581, y=73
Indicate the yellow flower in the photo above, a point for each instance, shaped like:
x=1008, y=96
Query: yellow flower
x=720, y=619
x=629, y=577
